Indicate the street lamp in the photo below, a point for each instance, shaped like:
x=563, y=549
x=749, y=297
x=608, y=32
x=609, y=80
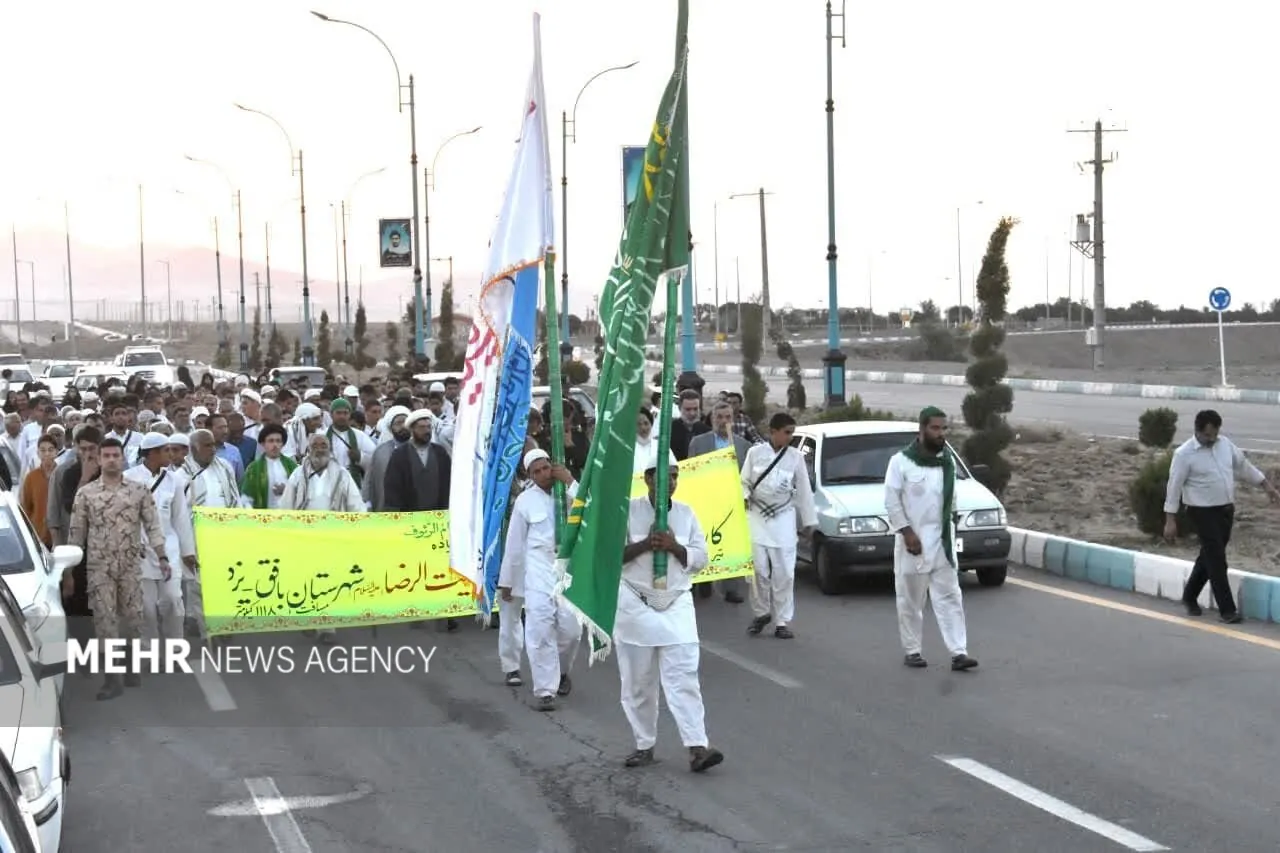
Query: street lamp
x=419, y=342
x=308, y=351
x=764, y=263
x=235, y=199
x=567, y=121
x=17, y=298
x=834, y=360
x=429, y=177
x=346, y=280
x=168, y=283
x=960, y=273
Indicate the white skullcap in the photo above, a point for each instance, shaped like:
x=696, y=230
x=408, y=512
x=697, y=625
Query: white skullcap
x=418, y=415
x=674, y=462
x=436, y=388
x=533, y=456
x=89, y=396
x=307, y=411
x=311, y=394
x=146, y=416
x=178, y=439
x=199, y=411
x=268, y=390
x=153, y=441
x=351, y=391
x=250, y=394
x=242, y=381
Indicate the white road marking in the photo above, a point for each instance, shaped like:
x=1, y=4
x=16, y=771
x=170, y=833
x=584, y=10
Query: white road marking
x=1052, y=805
x=215, y=691
x=282, y=805
x=768, y=673
x=274, y=811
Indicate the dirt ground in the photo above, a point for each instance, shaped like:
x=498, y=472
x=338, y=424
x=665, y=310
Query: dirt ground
x=1078, y=487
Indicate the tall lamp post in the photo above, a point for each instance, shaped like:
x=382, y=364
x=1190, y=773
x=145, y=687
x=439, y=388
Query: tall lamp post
x=345, y=207
x=17, y=299
x=419, y=342
x=960, y=272
x=308, y=351
x=764, y=263
x=235, y=200
x=429, y=184
x=569, y=133
x=168, y=283
x=834, y=360
x=32, y=266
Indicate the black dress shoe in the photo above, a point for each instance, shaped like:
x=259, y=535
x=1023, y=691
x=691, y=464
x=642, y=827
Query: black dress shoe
x=960, y=663
x=1193, y=609
x=757, y=624
x=1231, y=618
x=566, y=686
x=915, y=661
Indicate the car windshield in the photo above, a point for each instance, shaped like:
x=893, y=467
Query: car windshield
x=864, y=458
x=15, y=558
x=13, y=359
x=141, y=359
x=16, y=375
x=62, y=371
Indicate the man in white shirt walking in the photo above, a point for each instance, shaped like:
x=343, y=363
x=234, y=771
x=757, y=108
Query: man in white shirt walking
x=919, y=494
x=552, y=634
x=159, y=593
x=211, y=483
x=776, y=485
x=1202, y=476
x=655, y=631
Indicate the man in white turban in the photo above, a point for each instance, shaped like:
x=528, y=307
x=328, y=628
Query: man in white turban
x=306, y=421
x=552, y=633
x=397, y=433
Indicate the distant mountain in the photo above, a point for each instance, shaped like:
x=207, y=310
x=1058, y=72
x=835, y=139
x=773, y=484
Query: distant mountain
x=106, y=283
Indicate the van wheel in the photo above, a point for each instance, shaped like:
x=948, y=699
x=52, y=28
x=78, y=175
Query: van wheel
x=992, y=577
x=829, y=579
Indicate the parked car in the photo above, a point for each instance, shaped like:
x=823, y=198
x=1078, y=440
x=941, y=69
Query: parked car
x=34, y=576
x=31, y=723
x=847, y=462
x=58, y=375
x=542, y=393
x=149, y=362
x=312, y=377
x=90, y=376
x=18, y=831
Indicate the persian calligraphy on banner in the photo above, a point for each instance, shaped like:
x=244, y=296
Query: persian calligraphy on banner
x=270, y=570
x=710, y=484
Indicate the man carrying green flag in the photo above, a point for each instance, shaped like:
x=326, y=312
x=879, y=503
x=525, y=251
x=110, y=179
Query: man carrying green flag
x=657, y=630
x=654, y=242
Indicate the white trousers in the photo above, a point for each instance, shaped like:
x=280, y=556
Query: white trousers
x=675, y=669
x=552, y=637
x=162, y=610
x=510, y=634
x=942, y=586
x=774, y=591
x=194, y=600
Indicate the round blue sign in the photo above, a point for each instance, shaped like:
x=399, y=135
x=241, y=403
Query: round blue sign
x=1219, y=299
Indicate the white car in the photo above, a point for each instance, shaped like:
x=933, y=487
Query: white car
x=847, y=462
x=58, y=375
x=149, y=362
x=89, y=377
x=34, y=576
x=18, y=831
x=31, y=724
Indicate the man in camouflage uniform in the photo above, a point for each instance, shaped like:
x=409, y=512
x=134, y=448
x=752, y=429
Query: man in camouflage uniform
x=116, y=511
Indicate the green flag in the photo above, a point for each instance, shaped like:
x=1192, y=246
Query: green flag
x=591, y=551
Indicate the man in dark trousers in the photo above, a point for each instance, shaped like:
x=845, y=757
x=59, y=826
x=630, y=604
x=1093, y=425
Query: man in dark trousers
x=67, y=480
x=721, y=437
x=417, y=478
x=1202, y=476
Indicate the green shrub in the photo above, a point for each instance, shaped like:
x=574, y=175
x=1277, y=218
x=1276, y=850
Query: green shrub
x=754, y=389
x=936, y=343
x=1147, y=493
x=576, y=373
x=1157, y=427
x=854, y=411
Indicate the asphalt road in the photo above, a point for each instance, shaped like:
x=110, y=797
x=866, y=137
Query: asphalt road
x=1255, y=428
x=1153, y=728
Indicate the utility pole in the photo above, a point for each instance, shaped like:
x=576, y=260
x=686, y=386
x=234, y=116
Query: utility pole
x=764, y=263
x=271, y=323
x=1095, y=248
x=834, y=360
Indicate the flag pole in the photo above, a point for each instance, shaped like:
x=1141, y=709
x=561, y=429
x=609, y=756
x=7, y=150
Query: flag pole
x=662, y=476
x=557, y=389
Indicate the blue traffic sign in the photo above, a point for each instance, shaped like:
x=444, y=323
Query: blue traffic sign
x=1219, y=299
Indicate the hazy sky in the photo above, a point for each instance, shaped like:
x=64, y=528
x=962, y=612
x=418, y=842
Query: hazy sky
x=939, y=104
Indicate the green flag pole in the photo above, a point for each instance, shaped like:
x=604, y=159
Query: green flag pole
x=662, y=476
x=557, y=390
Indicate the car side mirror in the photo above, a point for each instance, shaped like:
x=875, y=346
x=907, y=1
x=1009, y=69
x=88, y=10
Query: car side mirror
x=981, y=473
x=66, y=557
x=49, y=670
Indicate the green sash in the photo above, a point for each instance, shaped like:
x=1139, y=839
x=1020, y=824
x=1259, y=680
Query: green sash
x=353, y=468
x=946, y=461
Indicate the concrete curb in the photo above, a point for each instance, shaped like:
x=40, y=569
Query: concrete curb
x=1048, y=386
x=1257, y=596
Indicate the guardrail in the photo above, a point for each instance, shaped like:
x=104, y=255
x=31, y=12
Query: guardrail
x=1257, y=596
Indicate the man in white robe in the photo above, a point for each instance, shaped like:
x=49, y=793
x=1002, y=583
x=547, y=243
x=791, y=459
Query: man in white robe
x=321, y=485
x=775, y=483
x=161, y=595
x=251, y=408
x=919, y=495
x=655, y=631
x=210, y=482
x=552, y=634
x=305, y=422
